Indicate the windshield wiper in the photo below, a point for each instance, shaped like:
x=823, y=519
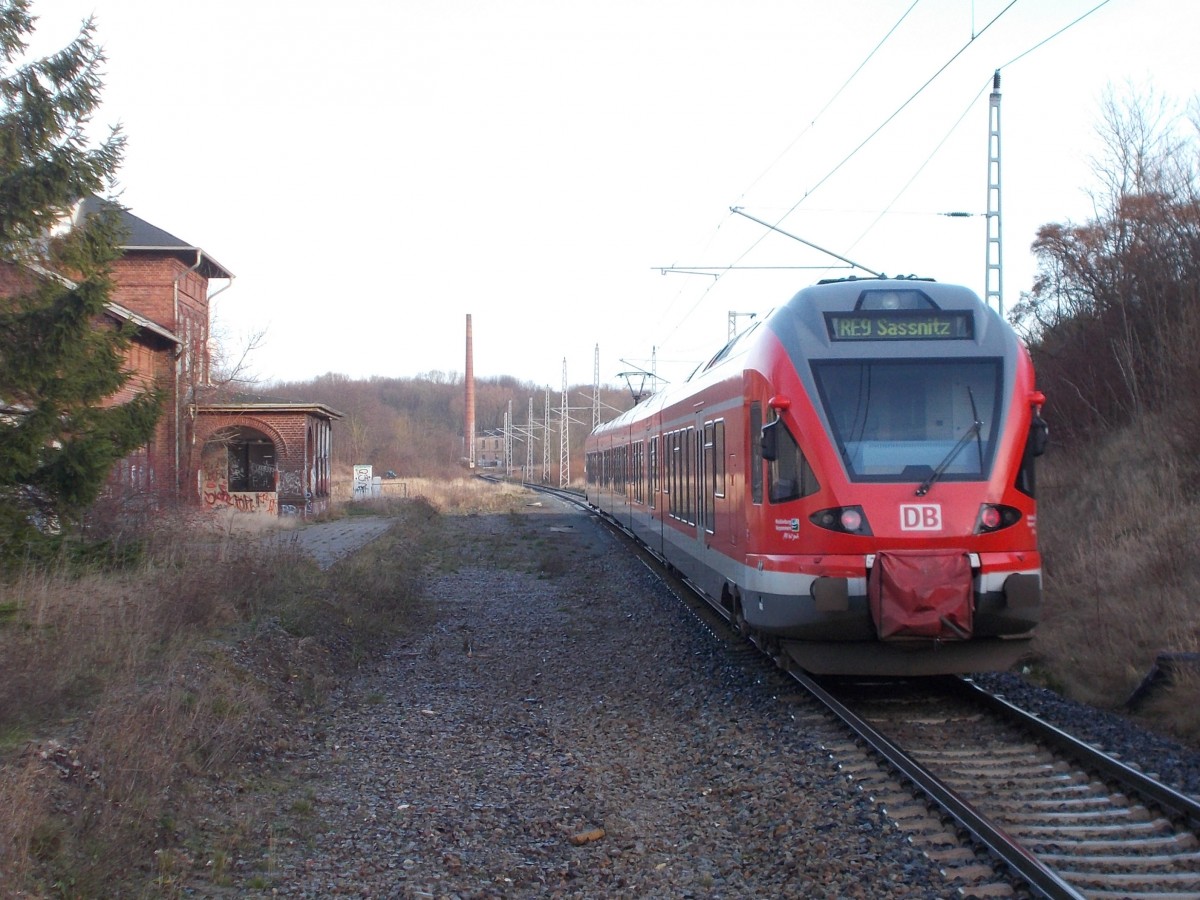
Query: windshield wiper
x=975, y=430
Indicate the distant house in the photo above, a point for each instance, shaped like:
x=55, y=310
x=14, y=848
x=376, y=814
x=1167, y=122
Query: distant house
x=489, y=449
x=261, y=457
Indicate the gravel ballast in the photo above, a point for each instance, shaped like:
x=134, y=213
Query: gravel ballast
x=562, y=726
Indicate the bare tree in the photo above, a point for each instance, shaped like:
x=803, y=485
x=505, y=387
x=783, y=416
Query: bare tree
x=1113, y=318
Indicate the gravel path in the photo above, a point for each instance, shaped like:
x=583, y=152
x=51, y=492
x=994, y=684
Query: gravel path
x=564, y=728
x=327, y=542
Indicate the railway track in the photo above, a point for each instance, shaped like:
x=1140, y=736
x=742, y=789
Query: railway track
x=1065, y=819
x=1009, y=804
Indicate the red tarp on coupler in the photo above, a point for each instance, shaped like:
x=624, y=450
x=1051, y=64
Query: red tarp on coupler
x=921, y=594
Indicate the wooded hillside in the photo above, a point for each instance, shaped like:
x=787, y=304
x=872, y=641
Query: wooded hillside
x=414, y=426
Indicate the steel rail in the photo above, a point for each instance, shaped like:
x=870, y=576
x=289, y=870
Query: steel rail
x=1167, y=798
x=1042, y=879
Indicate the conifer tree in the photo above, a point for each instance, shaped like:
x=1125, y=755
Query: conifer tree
x=60, y=359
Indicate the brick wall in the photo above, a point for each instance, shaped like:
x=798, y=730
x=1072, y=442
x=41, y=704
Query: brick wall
x=147, y=285
x=149, y=360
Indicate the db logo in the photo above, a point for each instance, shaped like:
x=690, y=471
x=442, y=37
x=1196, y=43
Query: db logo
x=920, y=517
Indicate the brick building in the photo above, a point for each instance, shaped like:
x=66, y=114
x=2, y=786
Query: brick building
x=261, y=457
x=489, y=449
x=265, y=456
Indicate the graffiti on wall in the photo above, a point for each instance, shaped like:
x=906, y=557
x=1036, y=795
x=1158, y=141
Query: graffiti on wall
x=290, y=482
x=263, y=502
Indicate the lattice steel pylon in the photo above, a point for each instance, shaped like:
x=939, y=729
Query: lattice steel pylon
x=508, y=441
x=564, y=429
x=733, y=317
x=546, y=442
x=995, y=255
x=596, y=391
x=527, y=474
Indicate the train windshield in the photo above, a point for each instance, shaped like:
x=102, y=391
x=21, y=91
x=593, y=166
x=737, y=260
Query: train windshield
x=905, y=420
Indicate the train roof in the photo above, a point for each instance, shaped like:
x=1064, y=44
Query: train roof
x=806, y=326
x=877, y=293
x=889, y=317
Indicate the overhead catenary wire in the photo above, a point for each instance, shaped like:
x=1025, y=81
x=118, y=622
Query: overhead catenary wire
x=921, y=168
x=984, y=87
x=828, y=103
x=882, y=125
x=734, y=266
x=870, y=55
x=1062, y=30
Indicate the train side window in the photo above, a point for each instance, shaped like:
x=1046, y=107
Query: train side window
x=790, y=476
x=1035, y=446
x=689, y=476
x=708, y=475
x=719, y=454
x=671, y=462
x=639, y=474
x=652, y=461
x=755, y=456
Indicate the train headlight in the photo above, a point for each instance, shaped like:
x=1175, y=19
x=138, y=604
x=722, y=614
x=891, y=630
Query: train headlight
x=993, y=517
x=846, y=519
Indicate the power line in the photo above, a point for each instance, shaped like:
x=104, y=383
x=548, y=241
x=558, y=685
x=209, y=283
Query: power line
x=986, y=84
x=974, y=36
x=889, y=119
x=775, y=162
x=830, y=101
x=714, y=270
x=1066, y=27
x=921, y=168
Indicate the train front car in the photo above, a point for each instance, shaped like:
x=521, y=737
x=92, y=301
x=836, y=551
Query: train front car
x=897, y=528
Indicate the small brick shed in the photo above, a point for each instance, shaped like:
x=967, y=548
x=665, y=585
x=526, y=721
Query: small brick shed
x=264, y=457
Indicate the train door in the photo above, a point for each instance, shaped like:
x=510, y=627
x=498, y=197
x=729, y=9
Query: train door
x=654, y=488
x=714, y=516
x=700, y=500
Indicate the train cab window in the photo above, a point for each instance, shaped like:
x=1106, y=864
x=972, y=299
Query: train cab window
x=789, y=476
x=904, y=420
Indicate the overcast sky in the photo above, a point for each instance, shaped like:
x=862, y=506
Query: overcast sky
x=374, y=170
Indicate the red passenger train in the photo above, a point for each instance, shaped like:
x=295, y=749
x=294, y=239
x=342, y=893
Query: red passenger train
x=851, y=479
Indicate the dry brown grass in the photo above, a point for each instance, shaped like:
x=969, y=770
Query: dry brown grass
x=1117, y=530
x=451, y=496
x=127, y=694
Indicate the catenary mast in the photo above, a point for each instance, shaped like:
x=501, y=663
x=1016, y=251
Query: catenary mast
x=995, y=277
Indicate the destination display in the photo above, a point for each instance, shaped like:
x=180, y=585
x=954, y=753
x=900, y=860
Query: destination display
x=901, y=325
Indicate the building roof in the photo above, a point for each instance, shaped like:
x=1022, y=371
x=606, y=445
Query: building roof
x=129, y=315
x=142, y=236
x=270, y=406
